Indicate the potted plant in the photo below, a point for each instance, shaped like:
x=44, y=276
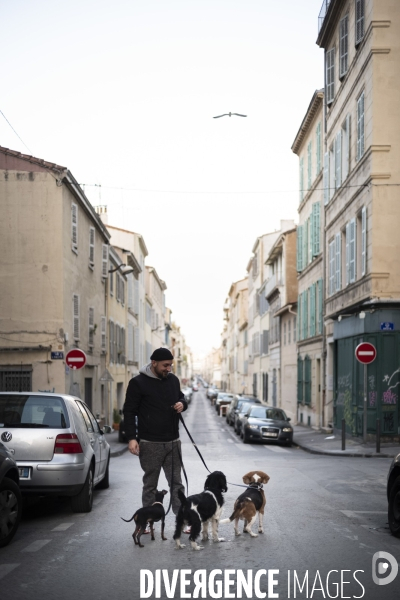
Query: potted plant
x=116, y=419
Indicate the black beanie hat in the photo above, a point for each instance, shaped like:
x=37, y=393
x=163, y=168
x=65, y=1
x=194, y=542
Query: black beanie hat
x=161, y=354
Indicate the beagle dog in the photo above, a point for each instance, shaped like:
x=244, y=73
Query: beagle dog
x=251, y=502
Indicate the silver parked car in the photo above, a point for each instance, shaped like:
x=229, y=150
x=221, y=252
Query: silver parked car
x=57, y=444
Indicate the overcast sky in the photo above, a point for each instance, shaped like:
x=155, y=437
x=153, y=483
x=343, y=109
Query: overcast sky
x=123, y=94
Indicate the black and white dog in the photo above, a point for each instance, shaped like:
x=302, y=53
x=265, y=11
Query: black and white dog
x=198, y=510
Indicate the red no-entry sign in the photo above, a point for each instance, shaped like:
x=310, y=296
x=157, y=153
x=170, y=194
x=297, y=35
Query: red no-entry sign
x=75, y=358
x=365, y=353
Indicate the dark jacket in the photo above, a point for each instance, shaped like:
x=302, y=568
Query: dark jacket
x=150, y=399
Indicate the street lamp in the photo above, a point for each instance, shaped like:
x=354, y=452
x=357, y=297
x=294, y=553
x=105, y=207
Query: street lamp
x=125, y=270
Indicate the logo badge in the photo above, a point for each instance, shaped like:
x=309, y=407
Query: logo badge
x=382, y=568
x=6, y=436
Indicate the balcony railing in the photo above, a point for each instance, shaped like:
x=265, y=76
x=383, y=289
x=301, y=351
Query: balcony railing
x=272, y=283
x=322, y=13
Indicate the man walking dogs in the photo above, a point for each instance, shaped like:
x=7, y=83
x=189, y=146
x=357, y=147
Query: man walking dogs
x=155, y=398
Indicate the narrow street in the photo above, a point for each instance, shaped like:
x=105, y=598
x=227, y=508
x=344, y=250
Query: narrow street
x=323, y=513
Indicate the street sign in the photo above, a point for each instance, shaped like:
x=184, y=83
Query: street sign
x=57, y=355
x=387, y=326
x=365, y=353
x=75, y=358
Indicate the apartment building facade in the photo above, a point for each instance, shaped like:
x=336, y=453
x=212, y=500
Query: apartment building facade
x=361, y=174
x=54, y=254
x=237, y=357
x=313, y=407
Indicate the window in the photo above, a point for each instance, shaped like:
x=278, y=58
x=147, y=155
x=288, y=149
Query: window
x=360, y=126
x=304, y=312
x=130, y=291
x=330, y=75
x=320, y=309
x=111, y=341
x=299, y=314
x=360, y=12
x=344, y=45
x=319, y=147
x=332, y=169
x=294, y=329
x=91, y=246
x=312, y=296
x=75, y=300
x=289, y=331
x=91, y=326
x=301, y=176
x=299, y=380
x=309, y=164
x=299, y=254
x=284, y=334
x=315, y=229
x=16, y=379
x=104, y=269
x=351, y=252
x=338, y=160
x=74, y=226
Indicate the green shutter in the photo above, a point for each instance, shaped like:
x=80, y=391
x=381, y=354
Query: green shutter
x=299, y=380
x=320, y=305
x=316, y=244
x=312, y=309
x=307, y=380
x=300, y=248
x=299, y=312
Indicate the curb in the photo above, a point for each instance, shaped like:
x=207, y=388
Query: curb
x=342, y=453
x=118, y=452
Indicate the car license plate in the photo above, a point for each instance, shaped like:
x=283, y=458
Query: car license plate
x=270, y=434
x=24, y=472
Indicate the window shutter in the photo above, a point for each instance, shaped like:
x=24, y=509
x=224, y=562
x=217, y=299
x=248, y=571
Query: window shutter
x=300, y=248
x=344, y=42
x=364, y=241
x=309, y=163
x=305, y=314
x=301, y=179
x=331, y=268
x=91, y=326
x=338, y=160
x=299, y=380
x=318, y=156
x=122, y=291
x=91, y=245
x=299, y=317
x=103, y=332
x=330, y=75
x=307, y=380
x=111, y=341
x=74, y=226
x=111, y=283
x=136, y=345
x=104, y=268
x=320, y=304
x=136, y=296
x=352, y=250
x=312, y=309
x=347, y=253
x=338, y=262
x=305, y=244
x=122, y=346
x=360, y=12
x=265, y=341
x=360, y=126
x=316, y=209
x=130, y=342
x=326, y=177
x=130, y=291
x=76, y=316
x=153, y=318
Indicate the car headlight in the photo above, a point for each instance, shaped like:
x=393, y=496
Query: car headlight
x=287, y=429
x=253, y=426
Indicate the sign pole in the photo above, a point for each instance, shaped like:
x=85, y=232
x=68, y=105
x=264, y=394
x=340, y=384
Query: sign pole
x=365, y=405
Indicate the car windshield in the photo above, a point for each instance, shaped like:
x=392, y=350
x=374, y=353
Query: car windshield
x=28, y=411
x=260, y=412
x=245, y=406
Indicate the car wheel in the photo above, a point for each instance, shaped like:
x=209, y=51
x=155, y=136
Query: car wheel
x=10, y=510
x=83, y=501
x=394, y=508
x=241, y=434
x=105, y=482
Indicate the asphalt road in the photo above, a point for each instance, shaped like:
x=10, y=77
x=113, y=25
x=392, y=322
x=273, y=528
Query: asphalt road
x=324, y=515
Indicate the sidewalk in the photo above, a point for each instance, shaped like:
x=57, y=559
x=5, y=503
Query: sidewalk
x=309, y=440
x=116, y=448
x=317, y=442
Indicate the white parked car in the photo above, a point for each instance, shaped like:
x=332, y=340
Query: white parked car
x=57, y=444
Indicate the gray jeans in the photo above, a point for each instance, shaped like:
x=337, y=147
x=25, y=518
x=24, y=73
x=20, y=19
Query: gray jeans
x=156, y=455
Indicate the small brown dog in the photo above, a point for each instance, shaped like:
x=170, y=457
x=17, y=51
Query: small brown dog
x=251, y=502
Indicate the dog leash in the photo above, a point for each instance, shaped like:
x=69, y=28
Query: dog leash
x=199, y=453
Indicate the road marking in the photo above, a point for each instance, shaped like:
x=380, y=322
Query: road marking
x=245, y=448
x=360, y=513
x=63, y=527
x=276, y=449
x=36, y=546
x=6, y=569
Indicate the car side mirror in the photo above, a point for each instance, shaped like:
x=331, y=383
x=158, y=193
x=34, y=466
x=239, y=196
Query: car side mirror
x=289, y=419
x=106, y=429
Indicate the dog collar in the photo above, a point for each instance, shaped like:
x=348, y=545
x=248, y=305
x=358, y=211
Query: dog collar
x=157, y=503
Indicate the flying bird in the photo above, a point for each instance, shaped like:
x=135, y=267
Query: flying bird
x=229, y=115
